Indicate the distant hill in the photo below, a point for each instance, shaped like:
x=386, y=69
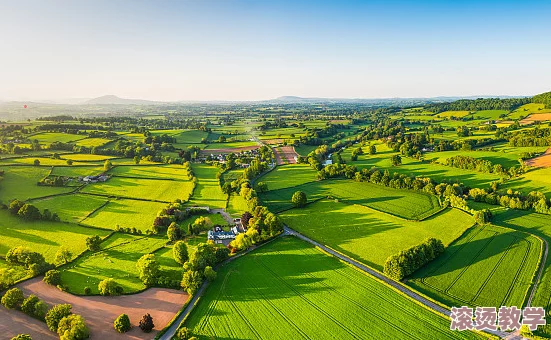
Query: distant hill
x=114, y=100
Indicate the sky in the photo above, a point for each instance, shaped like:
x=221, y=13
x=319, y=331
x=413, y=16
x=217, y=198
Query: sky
x=256, y=50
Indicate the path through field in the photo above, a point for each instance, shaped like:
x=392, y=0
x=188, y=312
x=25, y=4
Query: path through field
x=100, y=311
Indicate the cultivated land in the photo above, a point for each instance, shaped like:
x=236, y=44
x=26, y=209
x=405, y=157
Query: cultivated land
x=368, y=235
x=262, y=296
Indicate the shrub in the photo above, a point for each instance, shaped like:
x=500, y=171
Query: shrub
x=52, y=277
x=72, y=327
x=93, y=243
x=191, y=281
x=174, y=233
x=146, y=323
x=87, y=290
x=28, y=305
x=180, y=252
x=29, y=212
x=122, y=323
x=22, y=337
x=148, y=269
x=13, y=298
x=299, y=199
x=209, y=273
x=408, y=261
x=109, y=287
x=183, y=334
x=40, y=309
x=55, y=314
x=14, y=206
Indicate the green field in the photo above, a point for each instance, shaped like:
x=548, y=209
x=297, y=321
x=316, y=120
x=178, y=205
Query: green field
x=43, y=236
x=92, y=142
x=368, y=235
x=487, y=266
x=71, y=208
x=237, y=205
x=50, y=137
x=125, y=213
x=230, y=145
x=116, y=260
x=147, y=189
x=86, y=157
x=77, y=171
x=404, y=203
x=207, y=192
x=289, y=176
x=171, y=172
x=262, y=296
x=21, y=182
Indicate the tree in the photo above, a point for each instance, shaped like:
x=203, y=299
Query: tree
x=14, y=207
x=245, y=218
x=174, y=232
x=184, y=334
x=69, y=162
x=52, y=277
x=28, y=305
x=40, y=309
x=180, y=252
x=73, y=327
x=201, y=223
x=13, y=298
x=93, y=243
x=396, y=160
x=29, y=212
x=36, y=162
x=55, y=314
x=122, y=323
x=137, y=159
x=146, y=323
x=109, y=287
x=209, y=274
x=148, y=269
x=107, y=165
x=261, y=187
x=372, y=150
x=63, y=255
x=299, y=199
x=191, y=281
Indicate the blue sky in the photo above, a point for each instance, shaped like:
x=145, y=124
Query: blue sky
x=251, y=50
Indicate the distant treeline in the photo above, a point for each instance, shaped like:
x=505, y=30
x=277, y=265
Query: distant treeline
x=508, y=104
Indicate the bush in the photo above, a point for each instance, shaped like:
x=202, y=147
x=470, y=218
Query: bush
x=28, y=305
x=52, y=277
x=72, y=327
x=146, y=323
x=191, y=281
x=180, y=252
x=55, y=314
x=184, y=334
x=299, y=199
x=174, y=233
x=13, y=298
x=122, y=323
x=148, y=269
x=109, y=287
x=87, y=291
x=29, y=212
x=40, y=310
x=210, y=274
x=22, y=337
x=93, y=243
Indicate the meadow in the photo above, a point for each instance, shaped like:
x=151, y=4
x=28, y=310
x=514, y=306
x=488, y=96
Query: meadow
x=262, y=296
x=116, y=259
x=50, y=137
x=368, y=235
x=77, y=171
x=487, y=266
x=237, y=205
x=289, y=176
x=71, y=207
x=169, y=172
x=207, y=192
x=20, y=182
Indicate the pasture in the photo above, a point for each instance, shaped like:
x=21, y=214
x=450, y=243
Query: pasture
x=237, y=205
x=169, y=172
x=487, y=266
x=289, y=176
x=21, y=182
x=368, y=235
x=72, y=207
x=207, y=192
x=92, y=142
x=44, y=237
x=116, y=259
x=50, y=137
x=77, y=171
x=262, y=296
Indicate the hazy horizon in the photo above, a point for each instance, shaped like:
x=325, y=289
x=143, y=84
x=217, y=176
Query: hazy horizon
x=250, y=51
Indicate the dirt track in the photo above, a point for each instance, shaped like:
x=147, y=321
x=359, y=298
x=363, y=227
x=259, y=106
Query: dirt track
x=98, y=311
x=541, y=161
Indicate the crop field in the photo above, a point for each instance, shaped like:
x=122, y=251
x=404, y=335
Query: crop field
x=289, y=176
x=368, y=235
x=147, y=189
x=77, y=171
x=207, y=192
x=403, y=203
x=261, y=296
x=116, y=259
x=534, y=180
x=453, y=113
x=487, y=266
x=43, y=236
x=91, y=142
x=124, y=213
x=50, y=137
x=44, y=161
x=86, y=157
x=71, y=208
x=21, y=182
x=170, y=172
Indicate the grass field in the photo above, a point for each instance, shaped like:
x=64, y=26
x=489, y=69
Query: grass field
x=262, y=296
x=116, y=260
x=148, y=189
x=172, y=172
x=43, y=236
x=91, y=142
x=404, y=203
x=169, y=267
x=125, y=214
x=289, y=176
x=86, y=157
x=487, y=266
x=534, y=180
x=207, y=192
x=44, y=161
x=507, y=157
x=230, y=145
x=368, y=235
x=77, y=171
x=50, y=137
x=237, y=205
x=21, y=182
x=304, y=150
x=71, y=208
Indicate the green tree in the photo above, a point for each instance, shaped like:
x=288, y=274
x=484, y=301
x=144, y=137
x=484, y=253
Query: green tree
x=107, y=165
x=109, y=287
x=184, y=334
x=137, y=159
x=14, y=206
x=40, y=309
x=146, y=323
x=13, y=298
x=93, y=243
x=29, y=212
x=55, y=314
x=148, y=269
x=28, y=305
x=396, y=160
x=191, y=281
x=36, y=162
x=63, y=255
x=299, y=199
x=180, y=252
x=174, y=232
x=122, y=323
x=209, y=274
x=261, y=187
x=73, y=327
x=52, y=277
x=202, y=223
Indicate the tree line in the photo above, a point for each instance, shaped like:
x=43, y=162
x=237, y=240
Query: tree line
x=407, y=261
